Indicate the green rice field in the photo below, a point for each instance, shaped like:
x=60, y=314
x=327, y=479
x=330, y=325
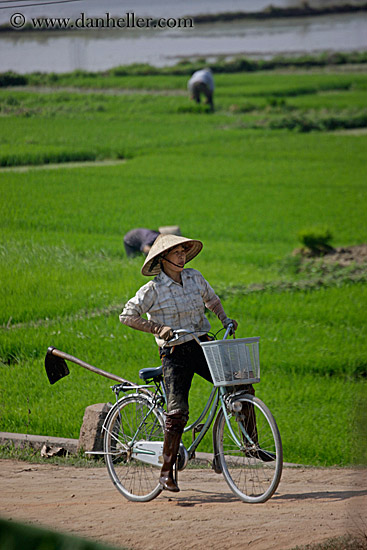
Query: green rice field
x=80, y=166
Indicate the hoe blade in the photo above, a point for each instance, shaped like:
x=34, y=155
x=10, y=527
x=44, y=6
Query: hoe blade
x=56, y=368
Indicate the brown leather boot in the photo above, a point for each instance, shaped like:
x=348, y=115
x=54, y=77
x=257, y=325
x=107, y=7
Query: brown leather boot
x=170, y=450
x=175, y=423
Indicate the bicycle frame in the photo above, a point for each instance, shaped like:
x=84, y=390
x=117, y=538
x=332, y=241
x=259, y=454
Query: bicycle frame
x=247, y=447
x=216, y=397
x=248, y=453
x=211, y=404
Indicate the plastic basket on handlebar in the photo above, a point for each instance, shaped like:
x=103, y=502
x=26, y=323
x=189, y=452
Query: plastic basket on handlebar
x=233, y=362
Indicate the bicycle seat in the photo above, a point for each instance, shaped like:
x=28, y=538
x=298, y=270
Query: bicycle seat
x=147, y=374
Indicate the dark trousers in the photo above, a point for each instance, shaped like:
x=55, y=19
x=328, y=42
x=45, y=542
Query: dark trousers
x=201, y=88
x=179, y=368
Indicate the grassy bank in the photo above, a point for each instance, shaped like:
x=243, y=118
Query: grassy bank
x=237, y=64
x=233, y=179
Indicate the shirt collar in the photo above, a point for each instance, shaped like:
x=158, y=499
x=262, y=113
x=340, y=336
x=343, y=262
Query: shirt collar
x=163, y=278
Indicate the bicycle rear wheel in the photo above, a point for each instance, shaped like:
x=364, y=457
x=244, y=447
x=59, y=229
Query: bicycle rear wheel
x=131, y=423
x=250, y=453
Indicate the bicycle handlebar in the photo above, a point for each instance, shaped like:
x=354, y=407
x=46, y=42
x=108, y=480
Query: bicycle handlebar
x=228, y=331
x=181, y=331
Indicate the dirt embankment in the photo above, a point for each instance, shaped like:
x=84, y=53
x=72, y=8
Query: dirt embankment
x=310, y=505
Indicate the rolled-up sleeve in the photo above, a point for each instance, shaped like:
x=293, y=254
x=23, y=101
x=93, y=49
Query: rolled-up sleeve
x=207, y=291
x=138, y=305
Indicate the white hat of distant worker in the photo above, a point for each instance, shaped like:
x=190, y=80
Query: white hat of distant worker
x=170, y=230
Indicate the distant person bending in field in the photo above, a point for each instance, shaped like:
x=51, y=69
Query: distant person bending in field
x=202, y=82
x=140, y=240
x=176, y=298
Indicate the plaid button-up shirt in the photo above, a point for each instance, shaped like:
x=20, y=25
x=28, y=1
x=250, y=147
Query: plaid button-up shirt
x=177, y=306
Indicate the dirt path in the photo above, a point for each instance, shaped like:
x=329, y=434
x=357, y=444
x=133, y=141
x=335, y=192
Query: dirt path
x=310, y=505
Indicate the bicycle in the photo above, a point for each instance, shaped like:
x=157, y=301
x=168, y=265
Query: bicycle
x=246, y=440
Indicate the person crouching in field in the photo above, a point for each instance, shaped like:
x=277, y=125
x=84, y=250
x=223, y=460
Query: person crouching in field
x=176, y=298
x=202, y=82
x=140, y=240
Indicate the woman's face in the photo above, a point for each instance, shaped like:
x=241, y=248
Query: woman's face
x=178, y=256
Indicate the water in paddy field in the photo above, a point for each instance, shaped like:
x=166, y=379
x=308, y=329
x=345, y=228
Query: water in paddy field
x=95, y=49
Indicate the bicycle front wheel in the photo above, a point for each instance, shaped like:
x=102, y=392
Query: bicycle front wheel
x=249, y=448
x=134, y=429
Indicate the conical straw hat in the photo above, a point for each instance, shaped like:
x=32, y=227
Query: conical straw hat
x=162, y=244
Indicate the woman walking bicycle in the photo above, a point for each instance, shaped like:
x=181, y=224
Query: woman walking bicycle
x=176, y=299
x=142, y=430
